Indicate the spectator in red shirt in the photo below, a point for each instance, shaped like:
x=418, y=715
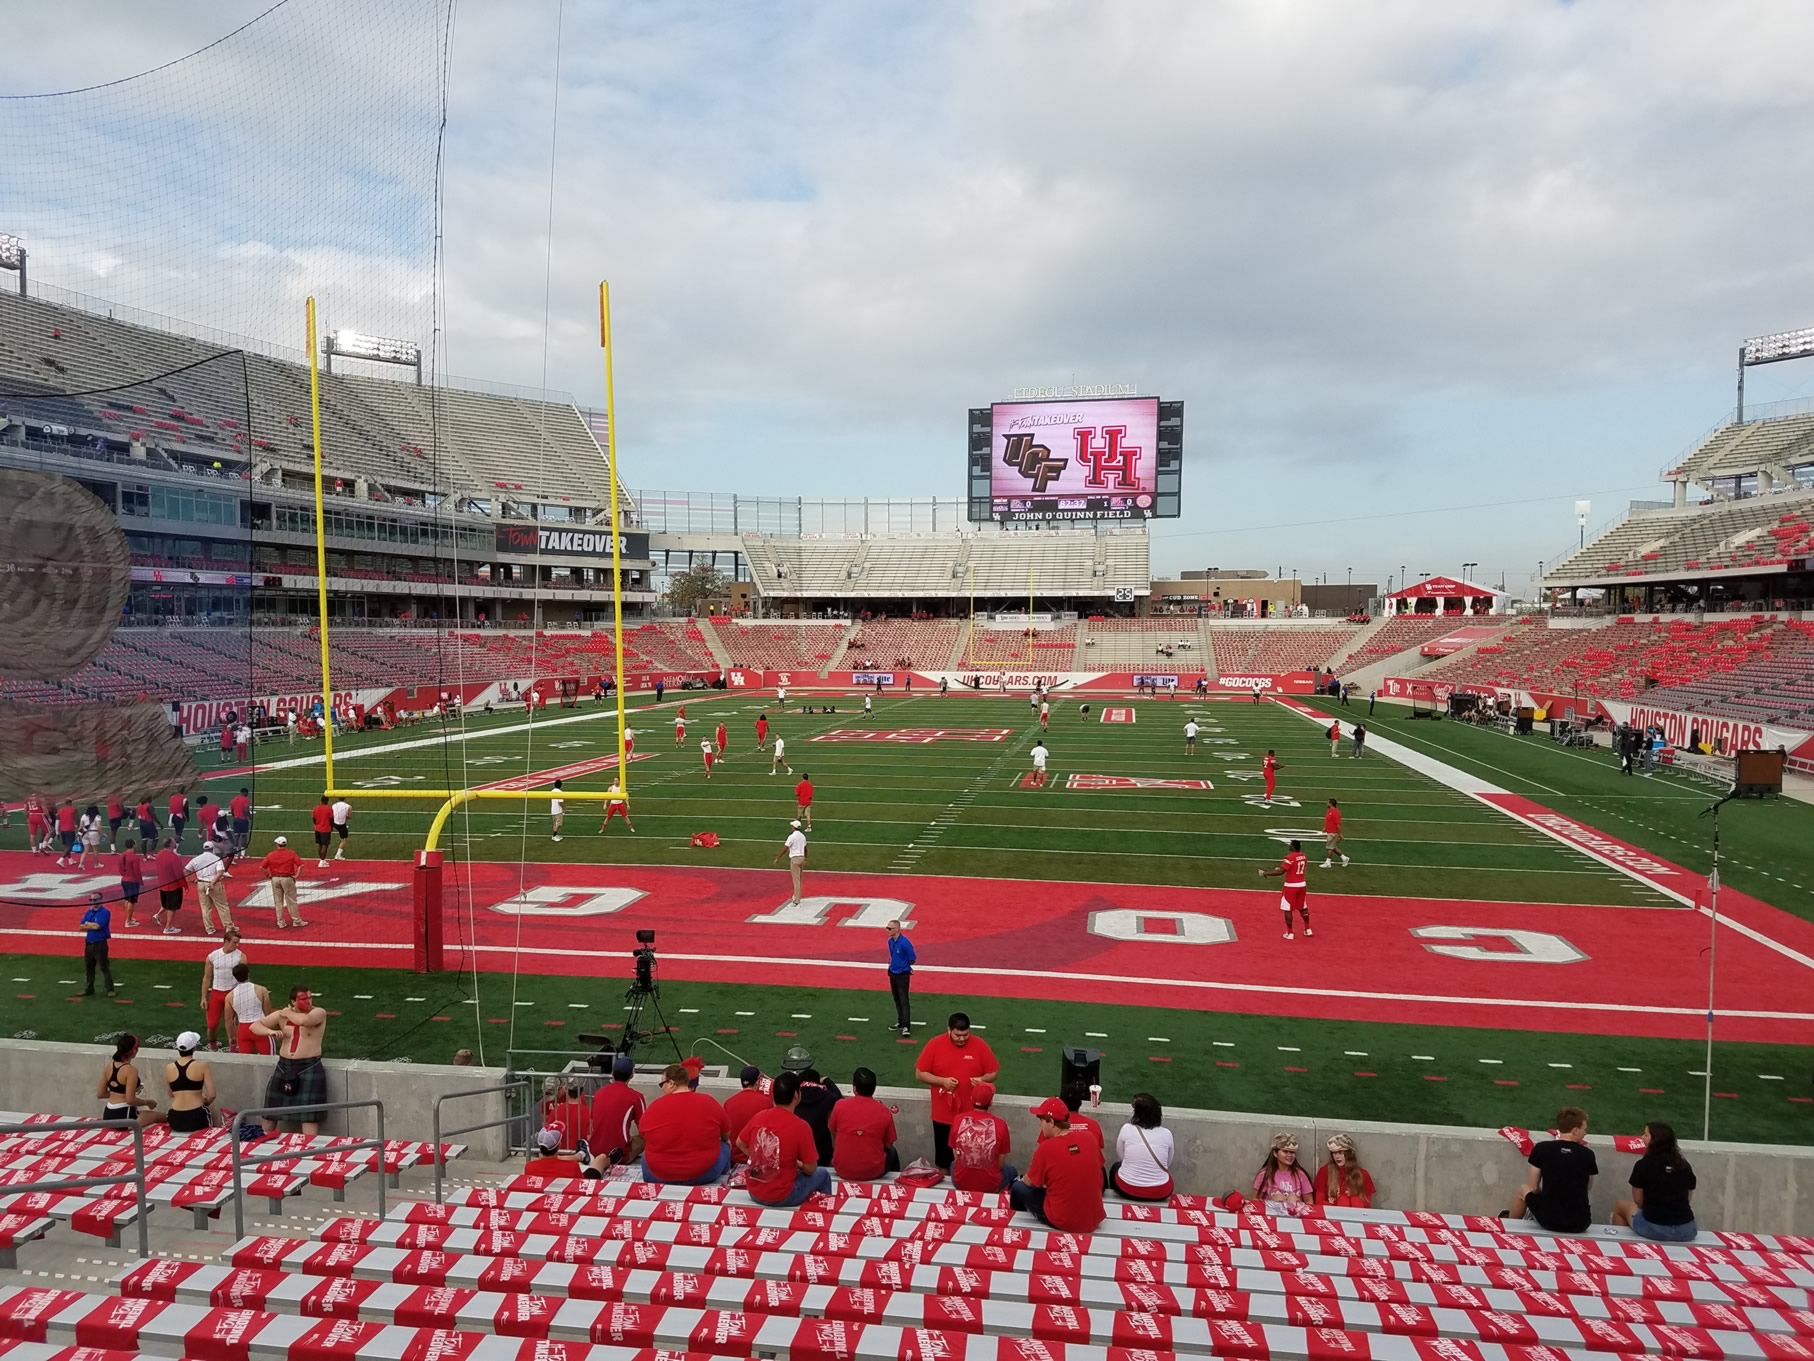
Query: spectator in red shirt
x=566, y=1110
x=803, y=797
x=280, y=867
x=951, y=1064
x=171, y=871
x=1073, y=1096
x=546, y=1159
x=745, y=1106
x=685, y=1135
x=617, y=1108
x=862, y=1133
x=323, y=816
x=1063, y=1185
x=979, y=1143
x=784, y=1162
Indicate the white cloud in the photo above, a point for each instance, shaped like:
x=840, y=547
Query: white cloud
x=1388, y=254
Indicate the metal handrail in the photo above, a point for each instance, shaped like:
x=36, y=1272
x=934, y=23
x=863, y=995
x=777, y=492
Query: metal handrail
x=514, y=1084
x=241, y=1161
x=136, y=1177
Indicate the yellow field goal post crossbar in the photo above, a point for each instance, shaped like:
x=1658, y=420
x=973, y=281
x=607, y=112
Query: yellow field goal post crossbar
x=455, y=798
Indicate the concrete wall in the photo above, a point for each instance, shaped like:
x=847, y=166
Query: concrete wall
x=1751, y=1187
x=36, y=1075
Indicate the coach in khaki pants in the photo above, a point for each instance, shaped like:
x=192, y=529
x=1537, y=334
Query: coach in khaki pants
x=210, y=872
x=794, y=848
x=280, y=868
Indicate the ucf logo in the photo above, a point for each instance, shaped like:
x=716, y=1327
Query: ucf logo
x=1033, y=461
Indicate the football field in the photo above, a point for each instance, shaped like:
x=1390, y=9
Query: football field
x=1519, y=927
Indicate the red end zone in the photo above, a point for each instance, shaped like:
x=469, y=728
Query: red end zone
x=1527, y=966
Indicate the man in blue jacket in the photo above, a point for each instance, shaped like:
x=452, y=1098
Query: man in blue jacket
x=901, y=956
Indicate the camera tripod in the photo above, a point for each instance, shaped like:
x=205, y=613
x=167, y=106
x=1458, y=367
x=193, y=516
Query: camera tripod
x=639, y=997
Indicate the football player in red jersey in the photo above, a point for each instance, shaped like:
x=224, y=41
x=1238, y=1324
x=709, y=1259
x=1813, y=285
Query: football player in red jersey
x=1294, y=869
x=1270, y=766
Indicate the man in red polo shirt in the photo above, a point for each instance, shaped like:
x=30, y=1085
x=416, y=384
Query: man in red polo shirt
x=745, y=1105
x=803, y=796
x=862, y=1133
x=951, y=1064
x=1063, y=1185
x=783, y=1159
x=685, y=1135
x=616, y=1109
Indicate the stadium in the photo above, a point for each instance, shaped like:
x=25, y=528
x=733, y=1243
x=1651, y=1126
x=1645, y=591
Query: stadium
x=447, y=633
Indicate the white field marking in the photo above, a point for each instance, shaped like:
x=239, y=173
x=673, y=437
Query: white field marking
x=1423, y=1058
x=960, y=971
x=22, y=980
x=1289, y=1049
x=1562, y=1065
x=362, y=997
x=161, y=987
x=1492, y=1061
x=1032, y=1031
x=1631, y=1070
x=860, y=1019
x=1696, y=1072
x=1095, y=1034
x=1158, y=1039
x=1769, y=1077
x=1355, y=1053
x=1461, y=781
x=802, y=1016
x=579, y=1006
x=689, y=1011
x=530, y=1004
x=415, y=999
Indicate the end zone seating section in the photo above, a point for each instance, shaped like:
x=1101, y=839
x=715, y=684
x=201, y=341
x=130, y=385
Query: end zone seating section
x=1133, y=645
x=1069, y=563
x=779, y=644
x=1620, y=659
x=922, y=643
x=1261, y=649
x=1733, y=450
x=1010, y=650
x=886, y=1273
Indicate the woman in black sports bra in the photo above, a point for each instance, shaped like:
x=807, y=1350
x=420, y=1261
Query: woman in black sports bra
x=191, y=1083
x=118, y=1089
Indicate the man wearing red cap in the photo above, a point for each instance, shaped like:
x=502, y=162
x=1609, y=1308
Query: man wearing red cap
x=979, y=1142
x=951, y=1064
x=1063, y=1185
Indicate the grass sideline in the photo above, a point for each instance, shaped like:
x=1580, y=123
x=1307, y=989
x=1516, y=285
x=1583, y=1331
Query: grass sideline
x=1336, y=1071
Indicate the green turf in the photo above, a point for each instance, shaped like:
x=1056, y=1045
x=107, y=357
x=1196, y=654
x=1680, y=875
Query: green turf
x=957, y=808
x=1185, y=1058
x=1766, y=845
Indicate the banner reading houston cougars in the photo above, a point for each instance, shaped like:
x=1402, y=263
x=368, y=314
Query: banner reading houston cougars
x=1083, y=458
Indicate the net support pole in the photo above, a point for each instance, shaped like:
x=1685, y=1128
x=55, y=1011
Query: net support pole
x=426, y=901
x=321, y=558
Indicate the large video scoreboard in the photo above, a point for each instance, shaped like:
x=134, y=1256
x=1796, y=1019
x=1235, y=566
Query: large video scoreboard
x=1107, y=458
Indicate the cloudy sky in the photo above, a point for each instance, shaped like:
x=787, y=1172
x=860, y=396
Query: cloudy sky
x=1423, y=274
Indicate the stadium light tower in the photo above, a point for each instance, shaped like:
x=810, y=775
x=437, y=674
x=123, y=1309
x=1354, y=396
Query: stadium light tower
x=1771, y=349
x=376, y=349
x=12, y=256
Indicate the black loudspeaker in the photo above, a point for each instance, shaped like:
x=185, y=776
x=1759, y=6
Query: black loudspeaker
x=1079, y=1067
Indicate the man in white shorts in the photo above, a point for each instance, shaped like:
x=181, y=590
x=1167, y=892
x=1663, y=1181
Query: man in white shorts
x=781, y=697
x=557, y=810
x=342, y=816
x=1039, y=763
x=680, y=727
x=780, y=756
x=869, y=704
x=1190, y=737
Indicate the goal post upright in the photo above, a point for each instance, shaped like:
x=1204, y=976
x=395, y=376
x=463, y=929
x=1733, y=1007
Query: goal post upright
x=426, y=871
x=321, y=551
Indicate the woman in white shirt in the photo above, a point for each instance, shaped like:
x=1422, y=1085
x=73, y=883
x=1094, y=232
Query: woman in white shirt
x=1143, y=1154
